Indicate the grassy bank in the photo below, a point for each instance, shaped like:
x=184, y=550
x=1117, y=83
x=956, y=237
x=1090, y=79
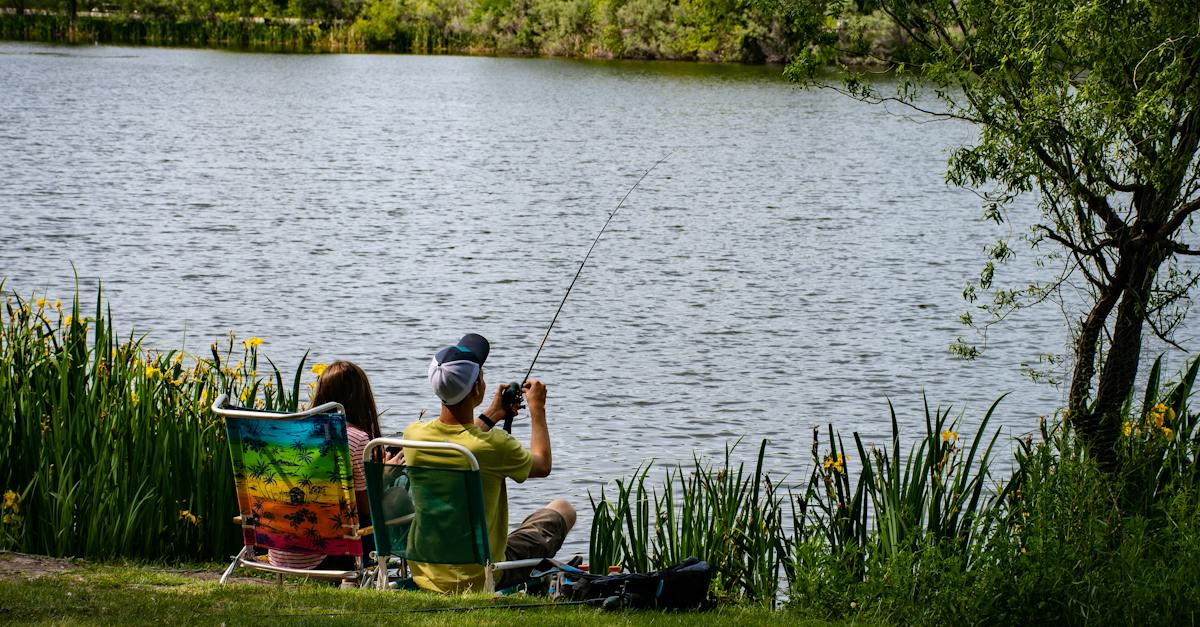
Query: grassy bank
x=108, y=451
x=108, y=594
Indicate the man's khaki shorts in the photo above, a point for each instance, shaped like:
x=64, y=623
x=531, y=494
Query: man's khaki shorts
x=540, y=535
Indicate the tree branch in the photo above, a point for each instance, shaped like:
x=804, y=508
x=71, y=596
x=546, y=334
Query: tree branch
x=1162, y=335
x=1074, y=247
x=1180, y=249
x=1097, y=204
x=1170, y=226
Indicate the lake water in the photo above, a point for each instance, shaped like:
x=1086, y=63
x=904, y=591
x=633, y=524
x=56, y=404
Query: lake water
x=796, y=260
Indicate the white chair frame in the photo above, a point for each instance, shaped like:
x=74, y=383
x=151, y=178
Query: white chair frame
x=490, y=569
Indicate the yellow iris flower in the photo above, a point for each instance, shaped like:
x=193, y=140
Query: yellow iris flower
x=836, y=462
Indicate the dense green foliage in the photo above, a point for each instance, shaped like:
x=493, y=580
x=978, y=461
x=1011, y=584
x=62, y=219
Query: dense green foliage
x=931, y=536
x=752, y=31
x=107, y=449
x=1091, y=109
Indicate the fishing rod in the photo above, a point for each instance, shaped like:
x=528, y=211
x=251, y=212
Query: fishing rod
x=512, y=394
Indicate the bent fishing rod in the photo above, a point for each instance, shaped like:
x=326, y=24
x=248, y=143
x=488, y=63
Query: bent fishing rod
x=512, y=393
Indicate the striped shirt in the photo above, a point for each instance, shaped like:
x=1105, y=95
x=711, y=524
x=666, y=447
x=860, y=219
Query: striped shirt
x=358, y=439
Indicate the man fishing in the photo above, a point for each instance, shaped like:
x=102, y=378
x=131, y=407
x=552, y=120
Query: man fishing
x=456, y=375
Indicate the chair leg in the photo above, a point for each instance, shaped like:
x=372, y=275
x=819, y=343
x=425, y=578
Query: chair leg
x=489, y=582
x=236, y=560
x=381, y=572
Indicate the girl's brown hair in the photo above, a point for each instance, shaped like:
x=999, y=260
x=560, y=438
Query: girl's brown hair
x=344, y=382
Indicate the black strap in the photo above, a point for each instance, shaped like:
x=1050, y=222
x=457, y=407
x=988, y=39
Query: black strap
x=487, y=421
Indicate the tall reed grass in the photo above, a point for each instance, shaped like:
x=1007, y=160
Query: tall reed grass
x=928, y=535
x=212, y=31
x=736, y=520
x=731, y=518
x=108, y=448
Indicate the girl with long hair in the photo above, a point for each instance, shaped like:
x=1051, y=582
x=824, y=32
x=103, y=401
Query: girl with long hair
x=345, y=383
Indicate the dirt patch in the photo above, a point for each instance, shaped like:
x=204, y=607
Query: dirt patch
x=215, y=575
x=25, y=566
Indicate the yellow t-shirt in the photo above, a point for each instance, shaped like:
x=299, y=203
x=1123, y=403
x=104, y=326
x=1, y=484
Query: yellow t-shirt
x=500, y=456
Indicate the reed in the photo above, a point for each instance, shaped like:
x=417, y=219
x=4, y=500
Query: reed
x=855, y=518
x=728, y=516
x=938, y=492
x=935, y=493
x=210, y=31
x=108, y=448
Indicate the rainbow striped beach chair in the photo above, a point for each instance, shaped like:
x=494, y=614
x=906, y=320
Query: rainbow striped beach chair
x=295, y=487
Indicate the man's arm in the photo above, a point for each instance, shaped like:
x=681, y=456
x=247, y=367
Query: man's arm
x=539, y=438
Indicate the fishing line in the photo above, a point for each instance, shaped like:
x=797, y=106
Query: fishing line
x=585, y=260
x=508, y=422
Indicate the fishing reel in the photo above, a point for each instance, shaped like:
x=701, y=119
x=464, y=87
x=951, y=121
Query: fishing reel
x=512, y=396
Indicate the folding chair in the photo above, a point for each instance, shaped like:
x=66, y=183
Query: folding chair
x=295, y=487
x=430, y=514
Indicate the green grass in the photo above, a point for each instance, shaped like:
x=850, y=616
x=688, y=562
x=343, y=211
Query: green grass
x=124, y=594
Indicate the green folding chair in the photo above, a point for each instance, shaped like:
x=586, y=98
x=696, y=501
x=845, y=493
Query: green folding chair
x=295, y=487
x=429, y=514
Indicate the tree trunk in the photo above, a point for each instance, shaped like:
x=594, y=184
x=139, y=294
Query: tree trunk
x=1099, y=422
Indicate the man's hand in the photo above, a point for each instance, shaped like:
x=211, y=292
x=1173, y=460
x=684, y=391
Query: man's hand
x=497, y=411
x=535, y=394
x=391, y=465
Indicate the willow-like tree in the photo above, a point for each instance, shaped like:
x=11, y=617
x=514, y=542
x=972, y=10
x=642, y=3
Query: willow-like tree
x=1093, y=107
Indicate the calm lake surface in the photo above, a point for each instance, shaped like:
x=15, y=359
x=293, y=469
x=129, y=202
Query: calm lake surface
x=796, y=260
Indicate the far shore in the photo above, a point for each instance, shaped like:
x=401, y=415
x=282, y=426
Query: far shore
x=339, y=35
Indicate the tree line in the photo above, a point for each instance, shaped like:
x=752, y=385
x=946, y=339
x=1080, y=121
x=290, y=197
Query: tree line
x=746, y=31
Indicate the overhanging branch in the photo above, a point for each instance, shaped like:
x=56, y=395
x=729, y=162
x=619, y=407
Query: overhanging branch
x=1171, y=225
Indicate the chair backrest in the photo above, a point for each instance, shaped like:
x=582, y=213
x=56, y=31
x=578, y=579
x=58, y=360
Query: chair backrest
x=432, y=514
x=295, y=484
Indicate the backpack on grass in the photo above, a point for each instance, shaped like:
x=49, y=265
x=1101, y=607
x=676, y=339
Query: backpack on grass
x=680, y=587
